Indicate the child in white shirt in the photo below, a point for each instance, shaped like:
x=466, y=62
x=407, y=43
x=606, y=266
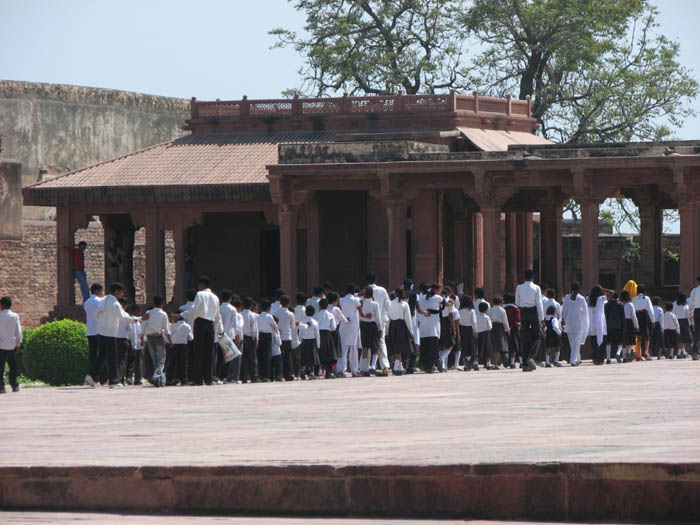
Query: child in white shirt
x=176, y=359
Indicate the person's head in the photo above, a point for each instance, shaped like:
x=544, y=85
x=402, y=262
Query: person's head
x=551, y=310
x=203, y=282
x=446, y=290
x=112, y=244
x=327, y=286
x=615, y=297
x=423, y=287
x=371, y=278
x=133, y=309
x=82, y=245
x=190, y=294
x=625, y=296
x=285, y=300
x=278, y=293
x=479, y=292
x=575, y=288
x=265, y=305
x=248, y=303
x=681, y=300
x=123, y=302
x=226, y=296
x=310, y=311
x=656, y=301
x=508, y=298
x=483, y=307
x=407, y=285
x=641, y=289
x=237, y=303
x=450, y=285
x=157, y=301
x=318, y=290
x=398, y=293
x=551, y=293
x=669, y=307
x=529, y=274
x=369, y=292
x=301, y=298
x=596, y=292
x=350, y=288
x=5, y=304
x=466, y=302
x=332, y=298
x=323, y=304
x=498, y=300
x=116, y=289
x=97, y=289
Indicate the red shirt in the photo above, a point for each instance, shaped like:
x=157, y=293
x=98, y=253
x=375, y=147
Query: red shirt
x=513, y=313
x=78, y=257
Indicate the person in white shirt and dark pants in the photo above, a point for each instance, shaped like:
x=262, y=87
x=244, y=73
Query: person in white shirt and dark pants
x=156, y=330
x=204, y=316
x=90, y=307
x=694, y=308
x=528, y=297
x=10, y=341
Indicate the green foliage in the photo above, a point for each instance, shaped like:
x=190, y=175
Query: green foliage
x=632, y=252
x=57, y=353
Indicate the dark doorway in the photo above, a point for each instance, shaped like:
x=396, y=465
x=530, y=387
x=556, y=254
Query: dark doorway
x=270, y=260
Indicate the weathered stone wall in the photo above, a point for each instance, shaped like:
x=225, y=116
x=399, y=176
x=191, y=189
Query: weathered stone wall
x=61, y=128
x=10, y=200
x=28, y=269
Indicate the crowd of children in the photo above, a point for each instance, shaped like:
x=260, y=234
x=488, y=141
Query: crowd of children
x=369, y=331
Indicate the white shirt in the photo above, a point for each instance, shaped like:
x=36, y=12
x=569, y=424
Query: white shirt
x=467, y=317
x=497, y=314
x=371, y=308
x=338, y=314
x=286, y=325
x=157, y=323
x=135, y=335
x=642, y=302
x=694, y=299
x=10, y=331
x=430, y=326
x=186, y=308
x=477, y=302
x=123, y=332
x=659, y=316
x=313, y=301
x=108, y=314
x=381, y=297
x=276, y=345
x=671, y=322
x=266, y=323
x=574, y=314
x=326, y=321
x=309, y=330
x=275, y=309
x=400, y=310
x=250, y=327
x=681, y=311
x=228, y=320
x=550, y=301
x=206, y=306
x=597, y=326
x=528, y=295
x=90, y=307
x=483, y=323
x=631, y=313
x=555, y=323
x=181, y=333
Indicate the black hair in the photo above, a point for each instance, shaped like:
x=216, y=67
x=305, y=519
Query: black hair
x=369, y=292
x=483, y=307
x=551, y=309
x=596, y=292
x=190, y=294
x=204, y=280
x=323, y=304
x=318, y=289
x=669, y=307
x=466, y=302
x=575, y=287
x=265, y=305
x=285, y=300
x=327, y=285
x=309, y=311
x=551, y=293
x=399, y=294
x=236, y=301
x=423, y=287
x=407, y=284
x=350, y=288
x=641, y=289
x=133, y=309
x=123, y=301
x=301, y=298
x=681, y=299
x=625, y=296
x=498, y=300
x=6, y=303
x=96, y=288
x=615, y=297
x=278, y=293
x=226, y=295
x=248, y=303
x=508, y=298
x=82, y=243
x=479, y=292
x=115, y=287
x=332, y=297
x=371, y=278
x=656, y=301
x=529, y=274
x=157, y=301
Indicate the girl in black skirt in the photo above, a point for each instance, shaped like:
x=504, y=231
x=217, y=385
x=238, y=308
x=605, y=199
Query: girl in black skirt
x=328, y=352
x=685, y=338
x=656, y=345
x=370, y=329
x=400, y=335
x=671, y=330
x=310, y=342
x=447, y=331
x=467, y=331
x=629, y=338
x=552, y=342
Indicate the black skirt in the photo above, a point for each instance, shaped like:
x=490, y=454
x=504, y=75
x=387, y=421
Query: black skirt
x=629, y=337
x=644, y=324
x=686, y=336
x=670, y=339
x=309, y=353
x=466, y=336
x=483, y=344
x=447, y=338
x=499, y=341
x=552, y=339
x=514, y=341
x=369, y=334
x=328, y=353
x=398, y=338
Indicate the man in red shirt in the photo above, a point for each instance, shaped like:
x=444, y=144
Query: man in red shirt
x=79, y=267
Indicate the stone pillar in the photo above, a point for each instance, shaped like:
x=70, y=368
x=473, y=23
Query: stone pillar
x=590, y=209
x=651, y=244
x=478, y=247
x=396, y=219
x=64, y=259
x=688, y=211
x=493, y=251
x=525, y=242
x=155, y=256
x=313, y=239
x=288, y=249
x=551, y=247
x=426, y=237
x=180, y=241
x=512, y=253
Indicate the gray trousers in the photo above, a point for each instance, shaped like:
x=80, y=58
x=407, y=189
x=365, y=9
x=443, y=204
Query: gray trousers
x=156, y=347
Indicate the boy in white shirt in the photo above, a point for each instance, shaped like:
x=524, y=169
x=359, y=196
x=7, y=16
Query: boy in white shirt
x=483, y=338
x=671, y=331
x=155, y=331
x=310, y=343
x=230, y=326
x=249, y=359
x=176, y=360
x=133, y=362
x=266, y=328
x=10, y=341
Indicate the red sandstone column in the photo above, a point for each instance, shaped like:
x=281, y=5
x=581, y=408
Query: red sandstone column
x=512, y=252
x=650, y=256
x=179, y=240
x=288, y=249
x=493, y=260
x=313, y=240
x=478, y=247
x=396, y=219
x=155, y=256
x=590, y=209
x=551, y=247
x=64, y=259
x=688, y=211
x=426, y=236
x=525, y=242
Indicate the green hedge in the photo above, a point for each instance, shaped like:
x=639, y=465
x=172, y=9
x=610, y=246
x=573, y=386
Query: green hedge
x=56, y=353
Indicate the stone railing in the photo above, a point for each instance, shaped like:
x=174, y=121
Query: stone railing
x=346, y=105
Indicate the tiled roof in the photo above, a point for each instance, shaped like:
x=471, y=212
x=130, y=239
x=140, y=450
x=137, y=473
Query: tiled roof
x=499, y=140
x=200, y=159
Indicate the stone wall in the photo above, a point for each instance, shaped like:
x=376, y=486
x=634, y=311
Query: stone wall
x=59, y=128
x=28, y=269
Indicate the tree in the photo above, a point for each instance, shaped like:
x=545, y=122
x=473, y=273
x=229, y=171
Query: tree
x=377, y=46
x=594, y=69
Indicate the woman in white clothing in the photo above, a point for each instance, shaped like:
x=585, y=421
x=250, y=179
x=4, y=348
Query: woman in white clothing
x=430, y=327
x=597, y=327
x=400, y=333
x=574, y=313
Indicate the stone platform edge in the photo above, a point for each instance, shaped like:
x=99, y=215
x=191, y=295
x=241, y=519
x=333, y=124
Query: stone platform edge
x=543, y=492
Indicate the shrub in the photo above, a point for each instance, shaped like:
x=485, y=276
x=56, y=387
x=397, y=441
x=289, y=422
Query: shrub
x=57, y=353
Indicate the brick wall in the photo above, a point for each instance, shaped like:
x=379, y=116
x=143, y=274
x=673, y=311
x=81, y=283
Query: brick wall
x=28, y=267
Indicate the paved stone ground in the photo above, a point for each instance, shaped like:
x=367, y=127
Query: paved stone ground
x=641, y=412
x=36, y=518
